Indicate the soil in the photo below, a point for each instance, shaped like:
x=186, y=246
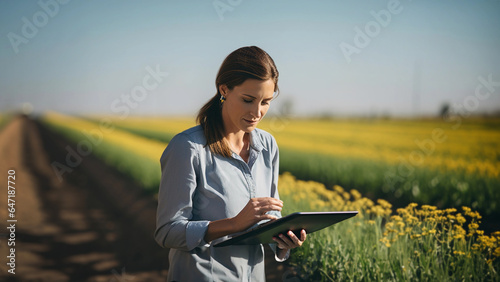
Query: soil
x=93, y=225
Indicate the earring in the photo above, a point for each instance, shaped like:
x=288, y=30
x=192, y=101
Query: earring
x=222, y=98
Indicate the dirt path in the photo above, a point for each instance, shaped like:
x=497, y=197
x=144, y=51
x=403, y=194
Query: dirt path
x=95, y=225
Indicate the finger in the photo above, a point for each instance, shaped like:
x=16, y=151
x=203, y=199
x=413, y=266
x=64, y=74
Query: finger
x=267, y=216
x=280, y=243
x=286, y=240
x=294, y=238
x=264, y=209
x=270, y=200
x=270, y=208
x=303, y=235
x=276, y=201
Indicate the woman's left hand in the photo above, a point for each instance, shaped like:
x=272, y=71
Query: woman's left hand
x=290, y=241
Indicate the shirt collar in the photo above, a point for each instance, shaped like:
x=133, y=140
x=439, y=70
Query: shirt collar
x=256, y=140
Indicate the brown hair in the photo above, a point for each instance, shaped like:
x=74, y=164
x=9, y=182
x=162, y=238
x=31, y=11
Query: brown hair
x=240, y=65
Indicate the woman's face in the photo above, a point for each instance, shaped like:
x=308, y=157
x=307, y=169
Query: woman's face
x=246, y=104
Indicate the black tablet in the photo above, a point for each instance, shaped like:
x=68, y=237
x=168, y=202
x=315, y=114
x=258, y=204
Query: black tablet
x=310, y=221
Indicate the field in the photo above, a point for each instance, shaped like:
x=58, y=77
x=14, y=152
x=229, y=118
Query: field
x=402, y=161
x=441, y=177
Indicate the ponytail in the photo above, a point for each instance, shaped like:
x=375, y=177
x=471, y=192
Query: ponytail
x=210, y=119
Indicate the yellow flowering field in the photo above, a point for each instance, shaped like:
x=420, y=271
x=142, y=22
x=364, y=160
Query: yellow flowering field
x=410, y=244
x=470, y=147
x=130, y=153
x=439, y=162
x=152, y=127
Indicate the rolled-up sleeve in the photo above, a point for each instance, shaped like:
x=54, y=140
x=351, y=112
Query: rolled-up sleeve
x=174, y=225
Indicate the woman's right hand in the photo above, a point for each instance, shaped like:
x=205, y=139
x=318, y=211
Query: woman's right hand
x=256, y=210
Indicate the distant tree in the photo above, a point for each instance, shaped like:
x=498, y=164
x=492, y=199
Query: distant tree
x=444, y=111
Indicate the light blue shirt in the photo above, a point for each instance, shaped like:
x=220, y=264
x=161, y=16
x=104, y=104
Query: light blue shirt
x=198, y=187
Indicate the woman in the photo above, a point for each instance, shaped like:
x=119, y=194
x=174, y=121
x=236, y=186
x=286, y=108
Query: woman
x=220, y=178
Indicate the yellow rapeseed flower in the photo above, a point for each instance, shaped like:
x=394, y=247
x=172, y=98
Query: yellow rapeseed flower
x=355, y=194
x=466, y=210
x=412, y=205
x=428, y=208
x=451, y=210
x=461, y=219
x=396, y=218
x=497, y=252
x=473, y=226
x=338, y=189
x=384, y=204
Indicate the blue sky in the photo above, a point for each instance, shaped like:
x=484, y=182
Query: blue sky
x=84, y=56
